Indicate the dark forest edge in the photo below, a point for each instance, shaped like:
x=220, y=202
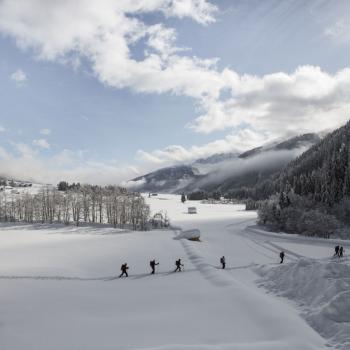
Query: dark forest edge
x=313, y=191
x=310, y=196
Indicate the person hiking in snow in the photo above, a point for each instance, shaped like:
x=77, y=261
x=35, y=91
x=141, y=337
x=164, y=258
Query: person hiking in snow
x=282, y=257
x=153, y=264
x=124, y=268
x=223, y=262
x=336, y=250
x=341, y=251
x=178, y=265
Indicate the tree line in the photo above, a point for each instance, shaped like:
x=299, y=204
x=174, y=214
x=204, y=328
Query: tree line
x=312, y=194
x=77, y=204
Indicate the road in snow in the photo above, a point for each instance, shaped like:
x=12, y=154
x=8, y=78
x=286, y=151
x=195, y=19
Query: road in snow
x=59, y=287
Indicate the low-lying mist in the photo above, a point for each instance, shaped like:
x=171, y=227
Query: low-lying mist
x=268, y=162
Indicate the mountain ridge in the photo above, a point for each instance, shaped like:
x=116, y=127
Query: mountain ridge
x=219, y=171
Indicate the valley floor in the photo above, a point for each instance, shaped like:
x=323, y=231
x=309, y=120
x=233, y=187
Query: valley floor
x=59, y=286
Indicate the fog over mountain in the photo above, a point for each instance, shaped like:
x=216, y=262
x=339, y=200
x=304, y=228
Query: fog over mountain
x=225, y=171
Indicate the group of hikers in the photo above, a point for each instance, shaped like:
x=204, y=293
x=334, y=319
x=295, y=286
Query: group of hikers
x=124, y=268
x=339, y=251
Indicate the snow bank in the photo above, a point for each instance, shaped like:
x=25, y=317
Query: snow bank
x=193, y=235
x=322, y=290
x=268, y=345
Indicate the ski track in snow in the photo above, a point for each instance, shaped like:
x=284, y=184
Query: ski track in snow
x=337, y=335
x=255, y=320
x=271, y=345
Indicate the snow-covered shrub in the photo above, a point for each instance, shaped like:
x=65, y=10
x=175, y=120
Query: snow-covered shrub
x=296, y=214
x=315, y=223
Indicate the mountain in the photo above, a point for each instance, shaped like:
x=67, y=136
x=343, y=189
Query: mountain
x=300, y=141
x=225, y=171
x=311, y=195
x=262, y=162
x=217, y=158
x=323, y=171
x=170, y=179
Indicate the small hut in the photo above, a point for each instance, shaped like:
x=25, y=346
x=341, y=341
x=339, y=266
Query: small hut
x=192, y=210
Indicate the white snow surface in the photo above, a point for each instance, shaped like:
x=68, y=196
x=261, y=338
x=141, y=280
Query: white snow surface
x=59, y=286
x=322, y=290
x=189, y=234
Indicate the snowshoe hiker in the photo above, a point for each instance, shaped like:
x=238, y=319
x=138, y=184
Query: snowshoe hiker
x=178, y=265
x=124, y=268
x=341, y=252
x=223, y=262
x=282, y=257
x=153, y=264
x=336, y=250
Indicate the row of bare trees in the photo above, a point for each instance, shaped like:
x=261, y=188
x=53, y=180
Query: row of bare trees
x=86, y=204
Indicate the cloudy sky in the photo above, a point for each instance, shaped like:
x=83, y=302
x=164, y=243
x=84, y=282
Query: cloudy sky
x=102, y=91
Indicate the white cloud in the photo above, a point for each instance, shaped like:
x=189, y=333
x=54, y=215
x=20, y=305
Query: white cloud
x=42, y=143
x=256, y=108
x=45, y=131
x=22, y=162
x=103, y=32
x=336, y=30
x=239, y=141
x=19, y=77
x=24, y=150
x=2, y=129
x=308, y=99
x=3, y=153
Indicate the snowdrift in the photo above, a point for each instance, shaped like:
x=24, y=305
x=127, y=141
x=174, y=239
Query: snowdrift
x=322, y=290
x=192, y=235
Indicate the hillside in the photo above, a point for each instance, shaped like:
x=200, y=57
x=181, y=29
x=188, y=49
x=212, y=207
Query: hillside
x=313, y=190
x=225, y=171
x=324, y=170
x=170, y=179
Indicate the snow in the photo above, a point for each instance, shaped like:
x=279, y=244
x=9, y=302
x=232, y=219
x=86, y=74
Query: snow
x=60, y=288
x=189, y=234
x=35, y=188
x=322, y=290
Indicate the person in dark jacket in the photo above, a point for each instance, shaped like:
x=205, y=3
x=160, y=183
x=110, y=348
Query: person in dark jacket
x=223, y=262
x=124, y=268
x=282, y=257
x=341, y=252
x=178, y=265
x=336, y=250
x=153, y=264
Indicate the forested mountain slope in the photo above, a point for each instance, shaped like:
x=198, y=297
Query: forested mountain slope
x=225, y=172
x=312, y=194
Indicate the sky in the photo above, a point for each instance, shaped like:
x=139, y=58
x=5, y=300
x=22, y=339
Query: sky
x=104, y=91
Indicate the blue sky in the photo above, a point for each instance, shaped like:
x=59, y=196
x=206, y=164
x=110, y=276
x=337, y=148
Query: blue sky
x=118, y=88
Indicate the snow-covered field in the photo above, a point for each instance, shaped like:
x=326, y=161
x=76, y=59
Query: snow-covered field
x=59, y=287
